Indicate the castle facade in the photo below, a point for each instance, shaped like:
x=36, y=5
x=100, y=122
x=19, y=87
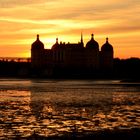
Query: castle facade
x=72, y=55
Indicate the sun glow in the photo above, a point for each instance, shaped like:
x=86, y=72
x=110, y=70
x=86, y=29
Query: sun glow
x=20, y=21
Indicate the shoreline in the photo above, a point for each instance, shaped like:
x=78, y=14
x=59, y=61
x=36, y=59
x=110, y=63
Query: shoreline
x=121, y=80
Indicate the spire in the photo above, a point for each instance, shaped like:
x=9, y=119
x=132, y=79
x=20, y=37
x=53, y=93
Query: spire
x=81, y=37
x=82, y=43
x=37, y=37
x=92, y=36
x=56, y=40
x=107, y=40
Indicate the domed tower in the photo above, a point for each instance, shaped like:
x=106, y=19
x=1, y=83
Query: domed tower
x=92, y=44
x=56, y=45
x=37, y=53
x=56, y=49
x=107, y=55
x=92, y=53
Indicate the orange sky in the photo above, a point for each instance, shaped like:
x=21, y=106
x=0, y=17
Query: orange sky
x=20, y=21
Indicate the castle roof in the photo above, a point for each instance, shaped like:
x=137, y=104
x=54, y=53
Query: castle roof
x=37, y=44
x=107, y=46
x=56, y=45
x=92, y=44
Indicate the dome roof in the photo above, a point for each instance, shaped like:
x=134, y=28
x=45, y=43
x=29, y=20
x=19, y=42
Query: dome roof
x=107, y=46
x=55, y=46
x=37, y=44
x=92, y=44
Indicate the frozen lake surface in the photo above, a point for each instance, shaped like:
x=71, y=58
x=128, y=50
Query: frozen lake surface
x=55, y=107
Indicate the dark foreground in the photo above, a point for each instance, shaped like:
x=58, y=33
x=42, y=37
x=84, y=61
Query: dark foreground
x=122, y=69
x=133, y=134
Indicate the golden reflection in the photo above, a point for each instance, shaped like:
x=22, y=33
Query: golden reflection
x=48, y=113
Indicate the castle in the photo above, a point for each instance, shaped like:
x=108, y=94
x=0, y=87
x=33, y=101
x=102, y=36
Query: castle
x=74, y=56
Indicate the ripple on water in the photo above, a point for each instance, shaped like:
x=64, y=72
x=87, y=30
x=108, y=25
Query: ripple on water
x=54, y=108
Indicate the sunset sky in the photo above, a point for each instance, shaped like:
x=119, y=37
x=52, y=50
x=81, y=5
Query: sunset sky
x=21, y=20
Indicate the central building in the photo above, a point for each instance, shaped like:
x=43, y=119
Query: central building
x=74, y=56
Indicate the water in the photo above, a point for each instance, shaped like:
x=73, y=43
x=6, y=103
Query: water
x=56, y=107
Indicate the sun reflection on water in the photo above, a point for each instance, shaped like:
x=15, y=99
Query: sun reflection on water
x=65, y=110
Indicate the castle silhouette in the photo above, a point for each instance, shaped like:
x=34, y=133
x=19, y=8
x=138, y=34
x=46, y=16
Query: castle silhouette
x=74, y=56
x=67, y=60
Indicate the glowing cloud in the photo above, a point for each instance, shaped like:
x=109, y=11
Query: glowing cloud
x=20, y=21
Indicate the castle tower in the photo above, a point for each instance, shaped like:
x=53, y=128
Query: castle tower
x=107, y=56
x=92, y=54
x=37, y=53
